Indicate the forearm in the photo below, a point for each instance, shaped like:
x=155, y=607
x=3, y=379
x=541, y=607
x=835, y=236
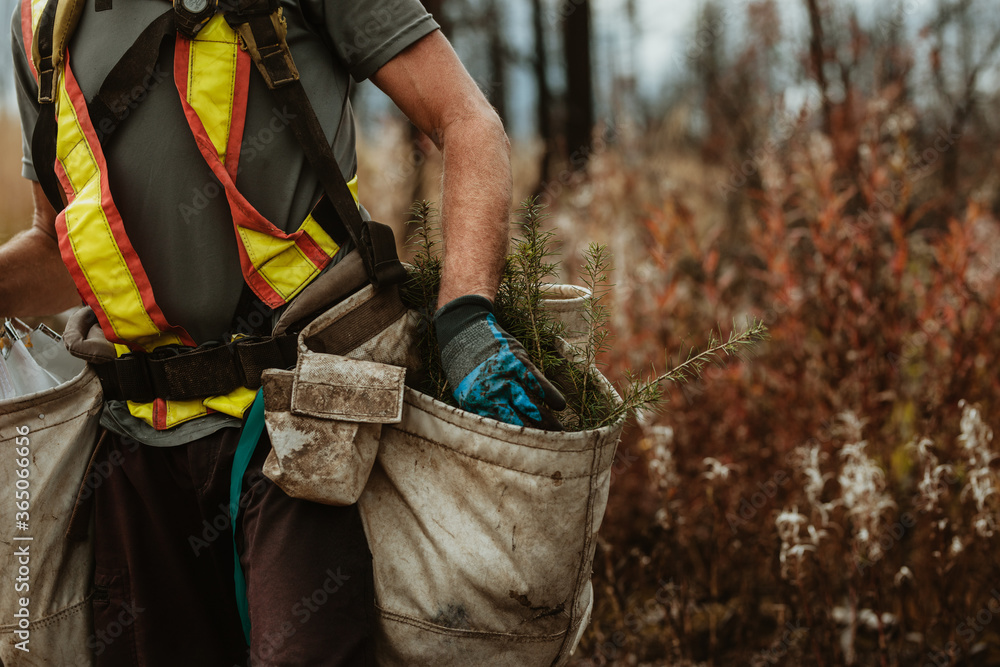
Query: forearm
x=431, y=86
x=33, y=279
x=476, y=206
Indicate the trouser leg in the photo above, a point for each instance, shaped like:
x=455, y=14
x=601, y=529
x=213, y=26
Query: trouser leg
x=164, y=565
x=309, y=578
x=164, y=592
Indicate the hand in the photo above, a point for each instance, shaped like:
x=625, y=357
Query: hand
x=489, y=371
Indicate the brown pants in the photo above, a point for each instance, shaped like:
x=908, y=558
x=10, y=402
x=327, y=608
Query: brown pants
x=164, y=591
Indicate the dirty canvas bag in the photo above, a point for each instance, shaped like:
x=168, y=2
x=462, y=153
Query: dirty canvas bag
x=41, y=567
x=482, y=533
x=325, y=416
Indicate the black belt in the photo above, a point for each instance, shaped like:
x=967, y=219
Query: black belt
x=179, y=373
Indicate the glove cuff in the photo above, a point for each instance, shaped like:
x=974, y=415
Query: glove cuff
x=456, y=316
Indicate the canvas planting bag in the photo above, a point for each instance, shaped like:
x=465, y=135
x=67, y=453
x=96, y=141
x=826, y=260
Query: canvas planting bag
x=482, y=533
x=483, y=537
x=58, y=427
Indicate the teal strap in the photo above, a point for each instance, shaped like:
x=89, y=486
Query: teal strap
x=249, y=438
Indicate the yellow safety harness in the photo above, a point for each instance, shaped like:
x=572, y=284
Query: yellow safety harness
x=211, y=72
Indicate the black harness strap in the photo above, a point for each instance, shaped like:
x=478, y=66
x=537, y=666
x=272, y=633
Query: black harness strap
x=43, y=138
x=184, y=373
x=179, y=373
x=259, y=24
x=121, y=91
x=262, y=28
x=132, y=77
x=375, y=240
x=43, y=155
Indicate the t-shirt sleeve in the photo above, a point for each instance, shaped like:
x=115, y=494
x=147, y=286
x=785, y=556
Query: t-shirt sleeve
x=27, y=94
x=367, y=35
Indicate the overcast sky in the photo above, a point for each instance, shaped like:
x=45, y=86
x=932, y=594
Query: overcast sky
x=666, y=35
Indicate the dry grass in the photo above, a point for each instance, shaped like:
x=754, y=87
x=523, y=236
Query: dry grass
x=15, y=214
x=836, y=501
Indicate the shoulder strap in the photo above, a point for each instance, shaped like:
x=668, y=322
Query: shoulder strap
x=262, y=28
x=55, y=27
x=43, y=138
x=113, y=101
x=128, y=80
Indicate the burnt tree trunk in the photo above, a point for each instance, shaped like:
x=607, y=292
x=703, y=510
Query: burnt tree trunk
x=543, y=109
x=579, y=82
x=817, y=58
x=497, y=92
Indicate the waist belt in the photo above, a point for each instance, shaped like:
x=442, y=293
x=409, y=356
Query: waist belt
x=179, y=373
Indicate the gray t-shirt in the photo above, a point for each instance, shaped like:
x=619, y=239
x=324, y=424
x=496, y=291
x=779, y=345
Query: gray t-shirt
x=173, y=208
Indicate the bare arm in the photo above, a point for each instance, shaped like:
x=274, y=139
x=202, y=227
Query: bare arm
x=431, y=86
x=33, y=278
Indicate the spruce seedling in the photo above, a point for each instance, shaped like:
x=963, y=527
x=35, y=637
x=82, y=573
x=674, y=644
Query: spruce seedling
x=519, y=309
x=420, y=292
x=519, y=300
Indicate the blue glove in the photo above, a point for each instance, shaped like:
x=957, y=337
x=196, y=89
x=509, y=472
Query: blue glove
x=489, y=371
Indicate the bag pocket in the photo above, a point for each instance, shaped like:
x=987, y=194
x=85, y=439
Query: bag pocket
x=325, y=419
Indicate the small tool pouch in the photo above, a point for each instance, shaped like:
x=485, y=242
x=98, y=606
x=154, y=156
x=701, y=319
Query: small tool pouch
x=325, y=420
x=325, y=416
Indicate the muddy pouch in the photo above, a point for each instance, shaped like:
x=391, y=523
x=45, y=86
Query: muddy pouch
x=325, y=418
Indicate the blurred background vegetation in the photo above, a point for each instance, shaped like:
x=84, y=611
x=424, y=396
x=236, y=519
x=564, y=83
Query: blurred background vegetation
x=831, y=168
